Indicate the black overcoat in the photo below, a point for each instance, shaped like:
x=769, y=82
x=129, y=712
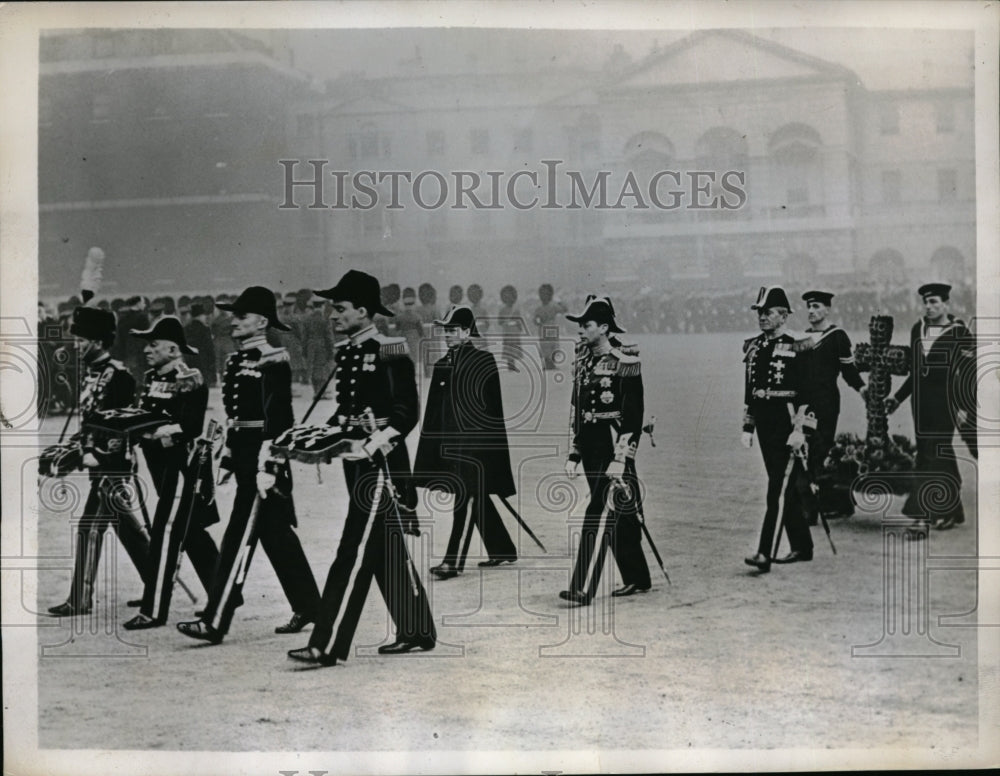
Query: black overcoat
x=464, y=434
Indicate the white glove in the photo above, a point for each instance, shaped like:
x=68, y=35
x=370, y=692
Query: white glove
x=747, y=439
x=89, y=460
x=265, y=482
x=616, y=470
x=796, y=440
x=381, y=441
x=357, y=451
x=165, y=434
x=572, y=468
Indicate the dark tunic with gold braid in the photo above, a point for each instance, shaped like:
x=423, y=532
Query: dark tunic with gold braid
x=376, y=391
x=606, y=423
x=257, y=395
x=773, y=386
x=181, y=395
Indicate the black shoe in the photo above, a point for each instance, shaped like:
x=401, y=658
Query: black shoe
x=142, y=622
x=68, y=610
x=297, y=623
x=444, y=571
x=628, y=590
x=134, y=603
x=312, y=656
x=760, y=561
x=488, y=564
x=575, y=597
x=947, y=523
x=402, y=646
x=796, y=556
x=200, y=630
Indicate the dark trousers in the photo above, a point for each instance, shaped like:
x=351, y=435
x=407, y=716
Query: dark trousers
x=372, y=546
x=496, y=539
x=175, y=530
x=108, y=505
x=820, y=442
x=936, y=491
x=617, y=530
x=269, y=524
x=773, y=428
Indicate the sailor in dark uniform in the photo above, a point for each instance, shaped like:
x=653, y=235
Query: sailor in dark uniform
x=257, y=394
x=463, y=443
x=829, y=356
x=775, y=409
x=105, y=384
x=941, y=387
x=606, y=423
x=176, y=391
x=377, y=406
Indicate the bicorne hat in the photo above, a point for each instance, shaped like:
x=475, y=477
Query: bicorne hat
x=93, y=323
x=259, y=300
x=360, y=289
x=771, y=296
x=166, y=328
x=600, y=310
x=460, y=315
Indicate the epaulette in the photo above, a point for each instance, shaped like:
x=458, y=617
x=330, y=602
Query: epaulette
x=271, y=356
x=391, y=347
x=749, y=342
x=117, y=364
x=188, y=378
x=628, y=363
x=801, y=341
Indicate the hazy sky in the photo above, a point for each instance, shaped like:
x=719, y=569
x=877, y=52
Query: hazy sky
x=883, y=59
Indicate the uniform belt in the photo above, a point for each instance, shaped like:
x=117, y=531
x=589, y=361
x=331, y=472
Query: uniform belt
x=767, y=393
x=231, y=423
x=354, y=422
x=593, y=417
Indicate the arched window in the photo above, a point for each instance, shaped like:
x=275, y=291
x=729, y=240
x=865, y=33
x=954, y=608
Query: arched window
x=887, y=265
x=948, y=263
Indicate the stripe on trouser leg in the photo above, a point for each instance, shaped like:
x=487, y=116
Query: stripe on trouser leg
x=162, y=564
x=355, y=570
x=606, y=514
x=237, y=573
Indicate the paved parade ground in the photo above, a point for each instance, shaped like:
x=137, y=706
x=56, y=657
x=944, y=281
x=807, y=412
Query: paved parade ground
x=810, y=656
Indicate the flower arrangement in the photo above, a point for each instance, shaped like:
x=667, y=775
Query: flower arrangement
x=852, y=457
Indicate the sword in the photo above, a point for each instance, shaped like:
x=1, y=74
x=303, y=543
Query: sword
x=319, y=394
x=819, y=512
x=642, y=524
x=520, y=521
x=390, y=488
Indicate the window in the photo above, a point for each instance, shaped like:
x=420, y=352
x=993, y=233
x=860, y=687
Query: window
x=947, y=182
x=435, y=142
x=480, y=141
x=945, y=115
x=889, y=119
x=892, y=182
